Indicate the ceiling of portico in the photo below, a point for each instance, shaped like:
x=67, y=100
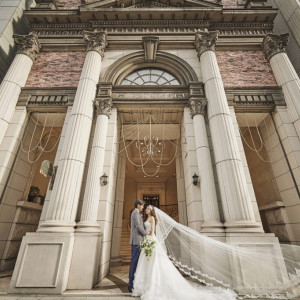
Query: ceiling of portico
x=164, y=173
x=165, y=126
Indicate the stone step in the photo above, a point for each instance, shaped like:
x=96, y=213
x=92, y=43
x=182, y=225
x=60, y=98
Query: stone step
x=79, y=295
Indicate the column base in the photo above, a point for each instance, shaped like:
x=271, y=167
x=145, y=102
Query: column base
x=43, y=264
x=56, y=226
x=116, y=261
x=85, y=263
x=243, y=226
x=88, y=226
x=260, y=243
x=212, y=226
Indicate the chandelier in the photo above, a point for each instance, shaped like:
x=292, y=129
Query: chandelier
x=150, y=146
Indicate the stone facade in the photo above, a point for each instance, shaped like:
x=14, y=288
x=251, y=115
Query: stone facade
x=221, y=85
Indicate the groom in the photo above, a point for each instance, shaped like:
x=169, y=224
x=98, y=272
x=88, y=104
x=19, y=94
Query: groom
x=137, y=232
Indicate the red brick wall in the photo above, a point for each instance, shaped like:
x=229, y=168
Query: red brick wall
x=56, y=69
x=245, y=69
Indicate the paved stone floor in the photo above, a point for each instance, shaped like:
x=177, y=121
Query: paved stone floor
x=113, y=287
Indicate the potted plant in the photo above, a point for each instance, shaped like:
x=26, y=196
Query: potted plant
x=33, y=196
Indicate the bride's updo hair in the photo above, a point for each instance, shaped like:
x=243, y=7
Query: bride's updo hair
x=152, y=213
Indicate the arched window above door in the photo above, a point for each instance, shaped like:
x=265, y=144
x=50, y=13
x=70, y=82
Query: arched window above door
x=150, y=76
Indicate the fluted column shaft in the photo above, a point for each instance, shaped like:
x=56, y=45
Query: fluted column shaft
x=235, y=197
x=211, y=213
x=285, y=74
x=209, y=199
x=88, y=220
x=65, y=194
x=16, y=77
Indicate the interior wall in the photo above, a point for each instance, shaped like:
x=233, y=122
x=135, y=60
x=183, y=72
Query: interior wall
x=273, y=213
x=23, y=216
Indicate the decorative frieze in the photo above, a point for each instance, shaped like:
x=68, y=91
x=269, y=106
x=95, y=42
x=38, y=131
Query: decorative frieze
x=197, y=106
x=95, y=41
x=205, y=41
x=103, y=106
x=28, y=44
x=274, y=44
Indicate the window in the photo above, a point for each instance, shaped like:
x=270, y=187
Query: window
x=150, y=76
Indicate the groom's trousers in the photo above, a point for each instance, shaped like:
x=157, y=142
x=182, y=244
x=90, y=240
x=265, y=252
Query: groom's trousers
x=135, y=254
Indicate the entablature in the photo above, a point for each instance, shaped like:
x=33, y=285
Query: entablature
x=244, y=100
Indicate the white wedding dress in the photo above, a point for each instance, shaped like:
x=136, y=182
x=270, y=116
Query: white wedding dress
x=157, y=278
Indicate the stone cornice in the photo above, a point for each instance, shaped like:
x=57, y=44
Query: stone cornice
x=95, y=41
x=205, y=41
x=274, y=44
x=27, y=44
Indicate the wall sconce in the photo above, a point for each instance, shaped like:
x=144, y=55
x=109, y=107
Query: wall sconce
x=103, y=179
x=195, y=179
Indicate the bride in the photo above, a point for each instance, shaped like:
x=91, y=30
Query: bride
x=209, y=262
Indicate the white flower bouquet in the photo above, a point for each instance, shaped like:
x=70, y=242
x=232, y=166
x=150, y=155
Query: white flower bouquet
x=148, y=245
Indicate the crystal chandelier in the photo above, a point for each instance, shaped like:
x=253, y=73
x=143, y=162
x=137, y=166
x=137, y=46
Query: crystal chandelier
x=150, y=146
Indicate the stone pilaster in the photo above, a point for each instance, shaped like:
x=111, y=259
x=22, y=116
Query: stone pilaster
x=209, y=199
x=236, y=201
x=27, y=48
x=118, y=212
x=285, y=74
x=88, y=220
x=65, y=194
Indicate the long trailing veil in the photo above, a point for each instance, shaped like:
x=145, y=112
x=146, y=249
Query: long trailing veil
x=252, y=271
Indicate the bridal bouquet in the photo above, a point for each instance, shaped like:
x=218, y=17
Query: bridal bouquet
x=148, y=245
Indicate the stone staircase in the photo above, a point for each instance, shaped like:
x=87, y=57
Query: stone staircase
x=125, y=250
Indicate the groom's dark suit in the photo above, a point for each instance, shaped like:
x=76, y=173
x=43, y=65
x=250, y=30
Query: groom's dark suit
x=137, y=232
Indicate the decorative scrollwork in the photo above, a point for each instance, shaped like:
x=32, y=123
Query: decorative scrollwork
x=28, y=44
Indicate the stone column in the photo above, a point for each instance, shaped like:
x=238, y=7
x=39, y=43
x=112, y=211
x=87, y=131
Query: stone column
x=285, y=74
x=88, y=219
x=65, y=194
x=208, y=192
x=118, y=212
x=182, y=211
x=236, y=201
x=28, y=47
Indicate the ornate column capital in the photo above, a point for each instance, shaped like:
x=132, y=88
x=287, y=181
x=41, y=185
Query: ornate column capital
x=95, y=41
x=197, y=106
x=103, y=107
x=28, y=44
x=274, y=44
x=205, y=41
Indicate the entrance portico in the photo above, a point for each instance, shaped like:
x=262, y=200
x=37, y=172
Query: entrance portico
x=149, y=97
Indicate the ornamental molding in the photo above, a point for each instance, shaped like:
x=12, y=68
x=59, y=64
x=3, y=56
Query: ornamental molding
x=150, y=45
x=28, y=44
x=95, y=41
x=103, y=107
x=274, y=44
x=197, y=106
x=205, y=41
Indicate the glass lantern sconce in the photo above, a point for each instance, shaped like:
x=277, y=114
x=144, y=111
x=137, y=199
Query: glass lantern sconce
x=195, y=179
x=103, y=179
